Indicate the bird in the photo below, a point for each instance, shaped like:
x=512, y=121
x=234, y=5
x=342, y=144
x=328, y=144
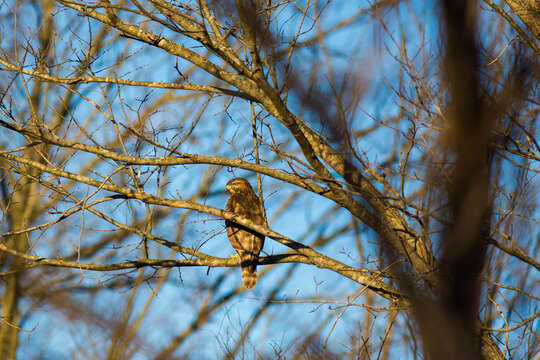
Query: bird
x=247, y=243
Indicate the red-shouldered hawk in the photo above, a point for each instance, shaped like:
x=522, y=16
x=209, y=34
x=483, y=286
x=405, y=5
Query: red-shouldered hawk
x=248, y=244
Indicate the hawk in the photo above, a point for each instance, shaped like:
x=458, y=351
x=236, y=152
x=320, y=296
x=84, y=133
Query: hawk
x=248, y=244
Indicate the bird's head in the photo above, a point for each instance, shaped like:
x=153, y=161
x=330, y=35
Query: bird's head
x=238, y=185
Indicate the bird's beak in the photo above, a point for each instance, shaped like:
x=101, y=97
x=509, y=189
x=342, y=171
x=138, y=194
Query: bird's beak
x=228, y=188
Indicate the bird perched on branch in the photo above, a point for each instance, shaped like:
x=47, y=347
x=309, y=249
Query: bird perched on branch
x=248, y=243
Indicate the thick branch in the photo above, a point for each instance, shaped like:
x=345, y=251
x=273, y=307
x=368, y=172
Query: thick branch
x=312, y=257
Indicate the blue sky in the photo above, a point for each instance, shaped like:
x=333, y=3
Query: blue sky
x=368, y=47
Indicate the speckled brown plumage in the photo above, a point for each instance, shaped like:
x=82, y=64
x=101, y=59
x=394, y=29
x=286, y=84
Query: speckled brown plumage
x=248, y=244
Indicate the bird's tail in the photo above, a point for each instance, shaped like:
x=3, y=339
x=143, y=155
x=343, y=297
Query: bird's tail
x=249, y=273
